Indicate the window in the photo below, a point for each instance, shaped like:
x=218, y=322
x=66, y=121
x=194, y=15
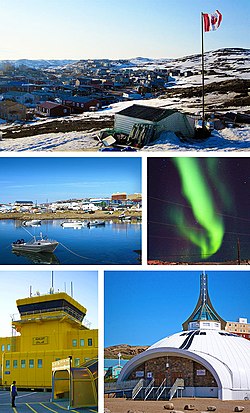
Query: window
x=7, y=364
x=15, y=365
x=89, y=341
x=74, y=343
x=81, y=342
x=77, y=362
x=39, y=363
x=2, y=347
x=8, y=347
x=23, y=364
x=31, y=363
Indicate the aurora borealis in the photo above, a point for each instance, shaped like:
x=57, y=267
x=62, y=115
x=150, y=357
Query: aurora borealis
x=198, y=208
x=197, y=192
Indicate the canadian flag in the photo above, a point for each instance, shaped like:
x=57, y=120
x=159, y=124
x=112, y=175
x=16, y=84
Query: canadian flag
x=212, y=21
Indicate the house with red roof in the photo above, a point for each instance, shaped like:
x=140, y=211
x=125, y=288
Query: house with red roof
x=52, y=109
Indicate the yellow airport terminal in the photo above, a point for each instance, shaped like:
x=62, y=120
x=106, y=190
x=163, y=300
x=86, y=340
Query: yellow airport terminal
x=50, y=329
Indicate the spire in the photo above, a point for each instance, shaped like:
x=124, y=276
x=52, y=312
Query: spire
x=204, y=315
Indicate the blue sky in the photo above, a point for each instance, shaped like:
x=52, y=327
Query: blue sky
x=145, y=306
x=84, y=291
x=39, y=179
x=80, y=29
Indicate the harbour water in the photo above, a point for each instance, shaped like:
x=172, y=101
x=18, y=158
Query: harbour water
x=113, y=244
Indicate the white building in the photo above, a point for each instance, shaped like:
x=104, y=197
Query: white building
x=210, y=361
x=158, y=119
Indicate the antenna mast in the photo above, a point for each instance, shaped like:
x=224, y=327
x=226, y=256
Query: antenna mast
x=51, y=290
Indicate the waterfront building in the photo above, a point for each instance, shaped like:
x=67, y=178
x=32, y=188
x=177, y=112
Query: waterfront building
x=119, y=198
x=203, y=360
x=50, y=328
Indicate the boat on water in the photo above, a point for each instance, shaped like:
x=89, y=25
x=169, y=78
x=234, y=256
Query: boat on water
x=32, y=222
x=95, y=223
x=73, y=224
x=41, y=244
x=125, y=218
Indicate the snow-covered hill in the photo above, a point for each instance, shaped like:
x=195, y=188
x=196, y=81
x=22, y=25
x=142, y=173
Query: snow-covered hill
x=223, y=62
x=37, y=64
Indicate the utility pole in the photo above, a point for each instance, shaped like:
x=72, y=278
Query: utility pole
x=202, y=70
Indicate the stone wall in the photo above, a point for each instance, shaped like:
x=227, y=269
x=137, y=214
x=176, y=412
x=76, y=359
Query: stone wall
x=193, y=373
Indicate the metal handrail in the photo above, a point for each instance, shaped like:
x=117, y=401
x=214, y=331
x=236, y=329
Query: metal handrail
x=130, y=384
x=137, y=388
x=149, y=388
x=160, y=389
x=48, y=310
x=178, y=383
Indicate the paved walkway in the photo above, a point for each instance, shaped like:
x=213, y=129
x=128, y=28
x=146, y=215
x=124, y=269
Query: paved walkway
x=36, y=402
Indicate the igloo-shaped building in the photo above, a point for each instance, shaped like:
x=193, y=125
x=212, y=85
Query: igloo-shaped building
x=210, y=361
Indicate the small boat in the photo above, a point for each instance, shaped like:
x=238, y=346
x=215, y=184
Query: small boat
x=32, y=222
x=35, y=245
x=127, y=218
x=73, y=224
x=95, y=223
x=124, y=217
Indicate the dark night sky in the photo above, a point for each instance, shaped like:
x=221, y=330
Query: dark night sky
x=231, y=176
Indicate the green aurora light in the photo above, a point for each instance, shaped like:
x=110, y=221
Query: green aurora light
x=195, y=188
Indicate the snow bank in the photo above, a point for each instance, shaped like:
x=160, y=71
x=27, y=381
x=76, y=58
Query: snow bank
x=228, y=140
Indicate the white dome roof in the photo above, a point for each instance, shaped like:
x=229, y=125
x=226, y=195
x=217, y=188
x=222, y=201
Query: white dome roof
x=225, y=355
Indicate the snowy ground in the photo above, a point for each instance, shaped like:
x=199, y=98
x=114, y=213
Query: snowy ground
x=237, y=139
x=68, y=141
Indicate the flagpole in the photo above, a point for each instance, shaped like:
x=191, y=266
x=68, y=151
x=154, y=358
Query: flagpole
x=202, y=70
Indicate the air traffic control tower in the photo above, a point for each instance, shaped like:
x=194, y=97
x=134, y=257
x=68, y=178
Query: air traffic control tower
x=49, y=329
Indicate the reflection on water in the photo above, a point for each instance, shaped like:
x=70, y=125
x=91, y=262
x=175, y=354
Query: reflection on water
x=38, y=257
x=115, y=242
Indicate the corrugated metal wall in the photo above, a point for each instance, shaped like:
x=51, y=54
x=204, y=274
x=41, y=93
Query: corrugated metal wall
x=125, y=123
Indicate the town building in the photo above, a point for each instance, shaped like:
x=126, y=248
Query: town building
x=23, y=98
x=50, y=328
x=80, y=104
x=119, y=197
x=240, y=327
x=203, y=360
x=113, y=367
x=23, y=206
x=52, y=109
x=12, y=111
